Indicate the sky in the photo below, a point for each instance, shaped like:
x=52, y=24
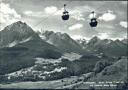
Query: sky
x=44, y=15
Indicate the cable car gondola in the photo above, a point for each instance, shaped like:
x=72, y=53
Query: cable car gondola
x=93, y=22
x=65, y=15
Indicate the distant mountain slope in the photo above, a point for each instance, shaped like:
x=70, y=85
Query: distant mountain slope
x=125, y=41
x=23, y=55
x=62, y=41
x=107, y=46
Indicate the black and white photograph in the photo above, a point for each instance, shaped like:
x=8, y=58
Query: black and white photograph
x=63, y=44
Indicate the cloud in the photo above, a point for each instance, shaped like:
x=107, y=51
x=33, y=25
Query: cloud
x=50, y=10
x=117, y=38
x=34, y=14
x=76, y=26
x=29, y=13
x=76, y=37
x=124, y=24
x=47, y=11
x=78, y=13
x=84, y=9
x=7, y=15
x=103, y=35
x=109, y=16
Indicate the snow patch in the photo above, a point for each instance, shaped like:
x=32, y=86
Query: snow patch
x=12, y=44
x=109, y=41
x=48, y=41
x=42, y=37
x=25, y=40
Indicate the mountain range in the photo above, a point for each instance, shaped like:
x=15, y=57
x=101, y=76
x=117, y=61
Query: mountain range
x=61, y=40
x=107, y=46
x=21, y=47
x=20, y=33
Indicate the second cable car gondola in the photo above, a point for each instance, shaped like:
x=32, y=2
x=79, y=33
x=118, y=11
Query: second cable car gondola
x=65, y=15
x=93, y=22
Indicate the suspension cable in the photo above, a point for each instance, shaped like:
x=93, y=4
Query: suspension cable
x=44, y=19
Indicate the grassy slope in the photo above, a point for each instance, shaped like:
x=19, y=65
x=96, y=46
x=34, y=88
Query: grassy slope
x=22, y=55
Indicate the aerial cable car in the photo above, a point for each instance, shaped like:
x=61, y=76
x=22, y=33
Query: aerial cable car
x=93, y=22
x=65, y=15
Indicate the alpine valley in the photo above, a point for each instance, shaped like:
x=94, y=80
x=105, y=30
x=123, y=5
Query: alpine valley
x=48, y=59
